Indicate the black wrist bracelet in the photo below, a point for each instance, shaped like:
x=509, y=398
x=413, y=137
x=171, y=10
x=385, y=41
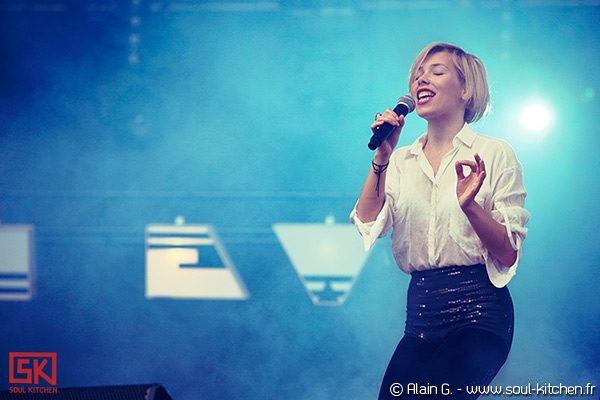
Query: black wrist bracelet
x=378, y=170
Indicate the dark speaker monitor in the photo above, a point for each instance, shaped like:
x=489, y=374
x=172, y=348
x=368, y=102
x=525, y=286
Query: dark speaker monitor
x=134, y=392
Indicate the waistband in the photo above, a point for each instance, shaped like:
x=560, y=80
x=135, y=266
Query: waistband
x=438, y=273
x=442, y=300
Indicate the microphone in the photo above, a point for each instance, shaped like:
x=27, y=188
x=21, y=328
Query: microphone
x=406, y=104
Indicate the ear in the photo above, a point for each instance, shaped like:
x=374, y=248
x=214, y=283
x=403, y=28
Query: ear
x=464, y=94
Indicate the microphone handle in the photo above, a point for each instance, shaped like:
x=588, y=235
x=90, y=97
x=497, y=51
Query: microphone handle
x=384, y=130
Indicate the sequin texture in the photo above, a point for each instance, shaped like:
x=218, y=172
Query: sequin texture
x=442, y=300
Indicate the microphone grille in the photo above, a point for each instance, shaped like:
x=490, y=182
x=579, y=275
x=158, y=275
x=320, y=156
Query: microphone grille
x=408, y=101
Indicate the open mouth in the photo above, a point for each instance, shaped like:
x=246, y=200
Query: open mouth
x=424, y=96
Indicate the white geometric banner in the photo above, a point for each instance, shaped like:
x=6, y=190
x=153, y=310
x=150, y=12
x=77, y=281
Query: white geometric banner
x=327, y=258
x=17, y=262
x=189, y=261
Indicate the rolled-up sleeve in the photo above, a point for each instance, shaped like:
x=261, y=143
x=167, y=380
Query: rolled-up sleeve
x=371, y=231
x=508, y=208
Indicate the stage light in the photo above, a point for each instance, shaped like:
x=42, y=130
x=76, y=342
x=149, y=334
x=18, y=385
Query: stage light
x=537, y=117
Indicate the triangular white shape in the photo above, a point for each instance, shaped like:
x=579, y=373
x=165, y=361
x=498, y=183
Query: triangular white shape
x=327, y=257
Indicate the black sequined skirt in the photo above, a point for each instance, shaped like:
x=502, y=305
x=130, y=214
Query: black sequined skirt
x=443, y=300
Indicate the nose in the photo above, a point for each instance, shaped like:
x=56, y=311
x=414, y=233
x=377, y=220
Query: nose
x=422, y=80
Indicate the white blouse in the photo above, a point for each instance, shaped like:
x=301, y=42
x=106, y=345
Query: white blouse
x=430, y=230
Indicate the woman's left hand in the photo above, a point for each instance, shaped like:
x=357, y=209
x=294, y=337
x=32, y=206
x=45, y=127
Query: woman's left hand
x=467, y=187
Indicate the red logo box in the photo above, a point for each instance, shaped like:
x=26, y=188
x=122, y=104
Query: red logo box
x=27, y=368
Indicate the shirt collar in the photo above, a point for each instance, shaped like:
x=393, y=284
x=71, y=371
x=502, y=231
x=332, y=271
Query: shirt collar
x=466, y=135
x=417, y=146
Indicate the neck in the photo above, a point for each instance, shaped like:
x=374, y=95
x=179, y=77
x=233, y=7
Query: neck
x=441, y=132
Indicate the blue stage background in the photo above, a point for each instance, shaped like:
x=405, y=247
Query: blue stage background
x=115, y=115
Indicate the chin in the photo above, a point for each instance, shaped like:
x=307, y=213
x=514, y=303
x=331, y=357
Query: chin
x=423, y=114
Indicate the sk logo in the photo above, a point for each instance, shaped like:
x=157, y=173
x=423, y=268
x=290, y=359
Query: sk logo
x=189, y=261
x=28, y=368
x=327, y=257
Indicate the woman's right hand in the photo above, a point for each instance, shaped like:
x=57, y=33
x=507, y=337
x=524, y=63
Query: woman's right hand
x=384, y=151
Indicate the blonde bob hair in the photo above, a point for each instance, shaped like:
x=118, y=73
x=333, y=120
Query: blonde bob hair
x=471, y=73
